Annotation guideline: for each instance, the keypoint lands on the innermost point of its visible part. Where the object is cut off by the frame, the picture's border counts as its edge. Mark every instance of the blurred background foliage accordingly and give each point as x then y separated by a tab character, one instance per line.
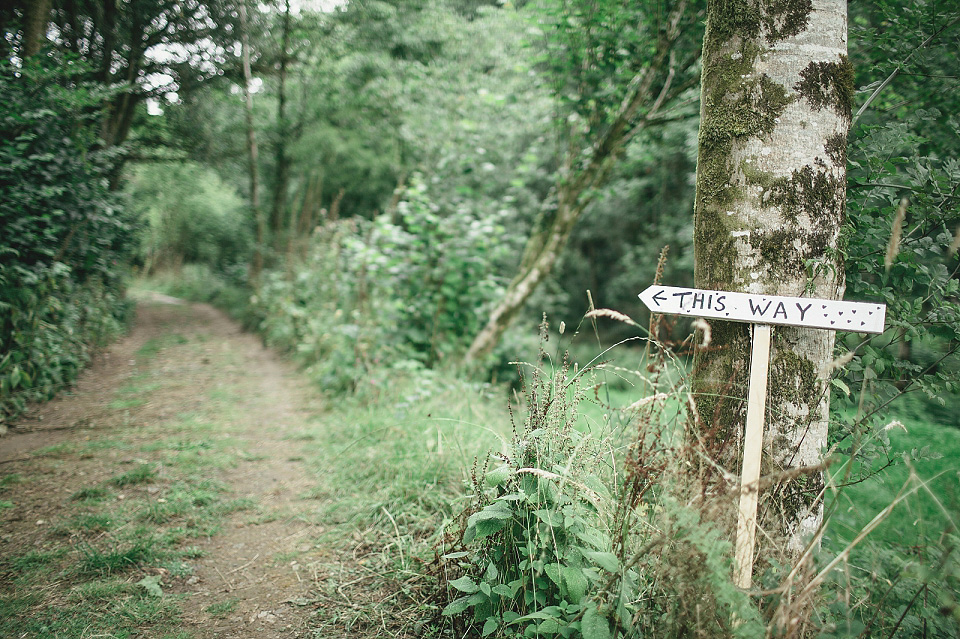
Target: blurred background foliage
433	120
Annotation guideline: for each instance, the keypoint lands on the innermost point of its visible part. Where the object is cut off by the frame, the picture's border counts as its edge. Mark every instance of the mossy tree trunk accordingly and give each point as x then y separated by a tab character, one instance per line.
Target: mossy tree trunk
775	112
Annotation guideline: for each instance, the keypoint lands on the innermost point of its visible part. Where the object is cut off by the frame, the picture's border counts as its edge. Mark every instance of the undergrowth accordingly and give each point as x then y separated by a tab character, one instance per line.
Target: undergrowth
607	528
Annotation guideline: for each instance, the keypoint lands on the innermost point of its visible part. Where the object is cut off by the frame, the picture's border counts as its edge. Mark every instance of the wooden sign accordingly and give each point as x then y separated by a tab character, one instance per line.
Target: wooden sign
857	317
762	311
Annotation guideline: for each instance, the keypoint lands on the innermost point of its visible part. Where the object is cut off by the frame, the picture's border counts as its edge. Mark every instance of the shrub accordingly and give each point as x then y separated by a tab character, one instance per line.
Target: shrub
63	234
405	292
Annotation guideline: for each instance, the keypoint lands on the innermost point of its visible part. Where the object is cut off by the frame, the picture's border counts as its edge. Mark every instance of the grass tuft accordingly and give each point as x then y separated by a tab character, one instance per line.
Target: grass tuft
142	474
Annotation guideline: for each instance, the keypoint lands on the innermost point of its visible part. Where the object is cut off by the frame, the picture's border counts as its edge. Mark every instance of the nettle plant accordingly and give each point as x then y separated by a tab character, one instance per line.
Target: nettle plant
536	544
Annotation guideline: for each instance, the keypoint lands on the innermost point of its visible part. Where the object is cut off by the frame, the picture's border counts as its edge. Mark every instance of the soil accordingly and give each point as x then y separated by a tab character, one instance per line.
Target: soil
267	566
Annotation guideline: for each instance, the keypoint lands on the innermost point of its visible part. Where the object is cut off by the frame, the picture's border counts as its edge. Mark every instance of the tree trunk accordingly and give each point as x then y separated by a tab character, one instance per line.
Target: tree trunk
109	31
771	179
36	16
252	150
282	174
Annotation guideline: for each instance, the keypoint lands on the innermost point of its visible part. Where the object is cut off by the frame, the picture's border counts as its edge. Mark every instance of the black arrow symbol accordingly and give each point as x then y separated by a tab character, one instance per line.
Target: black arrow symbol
659	296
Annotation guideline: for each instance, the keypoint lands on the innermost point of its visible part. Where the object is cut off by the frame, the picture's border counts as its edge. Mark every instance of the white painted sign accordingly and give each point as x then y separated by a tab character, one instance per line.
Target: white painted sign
761	310
858	317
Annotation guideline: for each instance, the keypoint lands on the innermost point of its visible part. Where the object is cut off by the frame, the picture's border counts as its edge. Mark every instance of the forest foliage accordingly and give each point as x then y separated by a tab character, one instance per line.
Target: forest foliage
65	234
410	154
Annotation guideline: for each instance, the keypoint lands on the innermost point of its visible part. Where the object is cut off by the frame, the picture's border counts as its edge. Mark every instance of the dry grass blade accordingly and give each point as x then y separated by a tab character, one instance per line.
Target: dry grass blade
659	397
836	364
893	248
703	326
869	528
612	314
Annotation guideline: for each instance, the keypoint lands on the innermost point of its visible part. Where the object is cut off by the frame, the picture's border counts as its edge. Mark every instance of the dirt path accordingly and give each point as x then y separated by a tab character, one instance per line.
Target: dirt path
187	372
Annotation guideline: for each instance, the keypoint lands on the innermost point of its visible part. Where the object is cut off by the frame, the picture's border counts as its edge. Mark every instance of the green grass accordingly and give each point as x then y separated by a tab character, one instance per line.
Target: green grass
105	612
90	523
152	347
223	608
142	474
10	480
36	559
927	463
124	404
115	559
98	547
199	283
102	590
136	387
407	453
56	450
91	493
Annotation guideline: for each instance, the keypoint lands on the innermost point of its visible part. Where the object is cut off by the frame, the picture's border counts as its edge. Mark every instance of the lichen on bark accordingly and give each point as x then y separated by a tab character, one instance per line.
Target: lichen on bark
811	190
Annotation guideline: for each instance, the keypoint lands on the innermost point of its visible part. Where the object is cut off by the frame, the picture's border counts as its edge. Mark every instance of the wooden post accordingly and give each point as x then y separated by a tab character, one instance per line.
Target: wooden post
762	311
752	447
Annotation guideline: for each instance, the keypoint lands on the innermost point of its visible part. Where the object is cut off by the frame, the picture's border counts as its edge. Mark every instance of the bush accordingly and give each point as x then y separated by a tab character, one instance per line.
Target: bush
63	234
372	295
575	532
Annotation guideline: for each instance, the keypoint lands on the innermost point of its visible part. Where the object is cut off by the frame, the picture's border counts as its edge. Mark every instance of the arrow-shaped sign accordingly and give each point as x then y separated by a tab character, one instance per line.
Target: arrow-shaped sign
762	310
858	317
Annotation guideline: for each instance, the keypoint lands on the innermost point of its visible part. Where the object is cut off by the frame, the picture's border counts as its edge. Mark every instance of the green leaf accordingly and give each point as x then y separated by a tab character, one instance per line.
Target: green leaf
593	625
487	528
549	627
550	612
503	590
498	476
489	626
550	518
576	583
593	537
496	510
606	560
465	584
457	606
553	571
839	384
151	584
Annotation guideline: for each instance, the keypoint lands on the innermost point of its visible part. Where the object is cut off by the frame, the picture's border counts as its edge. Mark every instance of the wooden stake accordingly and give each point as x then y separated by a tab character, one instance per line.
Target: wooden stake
752	447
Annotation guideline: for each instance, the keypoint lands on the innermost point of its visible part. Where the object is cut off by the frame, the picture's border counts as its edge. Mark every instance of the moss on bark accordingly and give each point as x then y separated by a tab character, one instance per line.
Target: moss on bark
828	84
813	190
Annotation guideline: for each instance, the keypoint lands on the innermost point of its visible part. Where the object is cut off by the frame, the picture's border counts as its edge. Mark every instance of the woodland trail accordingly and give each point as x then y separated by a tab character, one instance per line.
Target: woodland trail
187	391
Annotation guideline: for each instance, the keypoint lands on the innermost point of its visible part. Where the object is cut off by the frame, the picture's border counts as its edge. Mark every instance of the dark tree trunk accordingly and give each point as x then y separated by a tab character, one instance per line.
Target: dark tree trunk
282	175
36	17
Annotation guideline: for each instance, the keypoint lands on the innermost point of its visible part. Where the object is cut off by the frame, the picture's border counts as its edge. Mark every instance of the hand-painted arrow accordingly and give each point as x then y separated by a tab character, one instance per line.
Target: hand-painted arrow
857	317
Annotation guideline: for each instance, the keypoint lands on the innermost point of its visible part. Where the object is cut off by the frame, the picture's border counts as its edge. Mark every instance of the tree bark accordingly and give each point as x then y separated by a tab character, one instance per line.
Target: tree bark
36	17
771	179
252	149
282	174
